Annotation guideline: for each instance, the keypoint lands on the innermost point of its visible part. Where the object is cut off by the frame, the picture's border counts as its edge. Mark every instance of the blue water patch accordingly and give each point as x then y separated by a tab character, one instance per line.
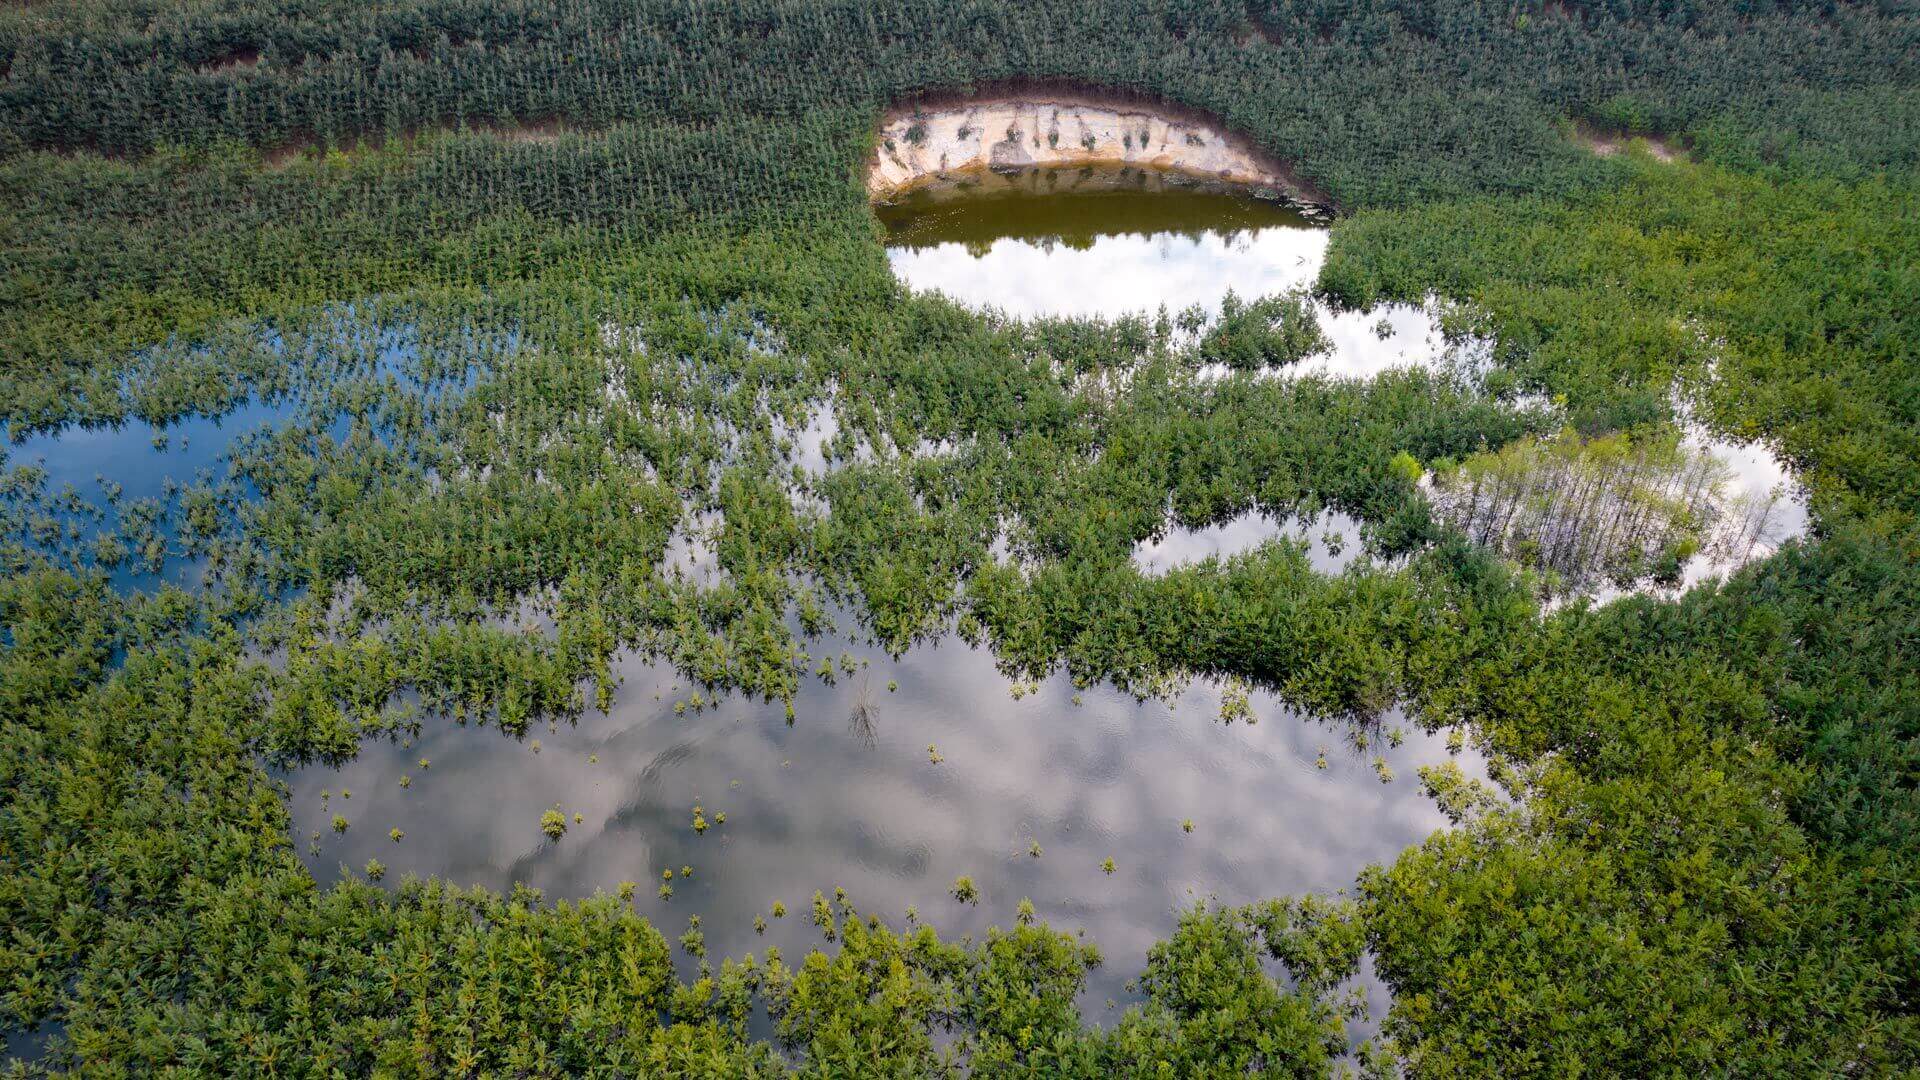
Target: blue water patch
141	501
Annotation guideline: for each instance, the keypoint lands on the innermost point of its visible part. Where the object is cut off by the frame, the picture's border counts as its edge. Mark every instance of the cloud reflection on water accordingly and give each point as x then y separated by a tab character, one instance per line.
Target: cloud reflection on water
811	806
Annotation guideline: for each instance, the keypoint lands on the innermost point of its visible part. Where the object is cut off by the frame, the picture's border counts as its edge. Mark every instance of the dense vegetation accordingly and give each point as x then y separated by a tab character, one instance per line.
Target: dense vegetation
543	286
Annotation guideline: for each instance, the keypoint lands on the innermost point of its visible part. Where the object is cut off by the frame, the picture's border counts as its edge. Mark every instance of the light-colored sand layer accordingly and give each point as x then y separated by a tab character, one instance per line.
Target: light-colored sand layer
924	146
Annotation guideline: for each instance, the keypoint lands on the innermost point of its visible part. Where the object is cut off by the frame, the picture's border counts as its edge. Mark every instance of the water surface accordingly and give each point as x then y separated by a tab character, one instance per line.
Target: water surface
1082	243
890	783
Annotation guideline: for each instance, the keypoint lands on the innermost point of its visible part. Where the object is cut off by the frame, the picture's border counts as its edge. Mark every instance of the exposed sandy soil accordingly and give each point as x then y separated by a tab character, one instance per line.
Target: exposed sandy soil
1610	144
543	131
927	141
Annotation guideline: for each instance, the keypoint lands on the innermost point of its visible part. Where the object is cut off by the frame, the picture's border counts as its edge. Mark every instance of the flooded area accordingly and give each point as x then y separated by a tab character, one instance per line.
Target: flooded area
1109	242
1331	541
116	492
894	777
1082	243
1613	515
891	782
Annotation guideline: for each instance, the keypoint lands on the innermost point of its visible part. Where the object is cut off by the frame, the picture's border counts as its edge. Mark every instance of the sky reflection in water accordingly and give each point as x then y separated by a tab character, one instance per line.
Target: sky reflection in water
826	802
1084	774
1121	253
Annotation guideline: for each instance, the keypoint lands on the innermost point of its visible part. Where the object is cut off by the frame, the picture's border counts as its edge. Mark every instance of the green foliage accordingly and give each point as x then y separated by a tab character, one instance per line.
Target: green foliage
1777	302
1698	849
1272	331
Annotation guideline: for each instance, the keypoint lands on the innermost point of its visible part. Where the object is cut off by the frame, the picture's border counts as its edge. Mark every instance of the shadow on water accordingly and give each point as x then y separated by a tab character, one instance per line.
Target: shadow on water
1074	208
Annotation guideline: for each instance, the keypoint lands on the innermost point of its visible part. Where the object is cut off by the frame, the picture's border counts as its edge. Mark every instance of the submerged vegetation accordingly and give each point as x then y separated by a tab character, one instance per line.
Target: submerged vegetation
1611	508
639	381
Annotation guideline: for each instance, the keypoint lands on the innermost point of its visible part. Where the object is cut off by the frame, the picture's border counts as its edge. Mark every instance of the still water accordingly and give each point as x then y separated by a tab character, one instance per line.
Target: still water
890	783
904	774
1107	245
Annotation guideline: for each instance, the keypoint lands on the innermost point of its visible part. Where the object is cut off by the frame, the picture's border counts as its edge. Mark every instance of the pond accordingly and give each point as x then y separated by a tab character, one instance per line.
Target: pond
891	782
902	774
1106	243
125	483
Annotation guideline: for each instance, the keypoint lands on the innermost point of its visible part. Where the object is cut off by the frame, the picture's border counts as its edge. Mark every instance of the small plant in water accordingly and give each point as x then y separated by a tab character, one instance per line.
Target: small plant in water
1106	865
339	823
964	890
626	890
397	835
779	909
553	823
720	818
699	821
759	924
1383	770
933	754
1186	826
1033	849
375	870
1235	702
686	871
1025	912
1321	761
425	764
666	891
406	781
